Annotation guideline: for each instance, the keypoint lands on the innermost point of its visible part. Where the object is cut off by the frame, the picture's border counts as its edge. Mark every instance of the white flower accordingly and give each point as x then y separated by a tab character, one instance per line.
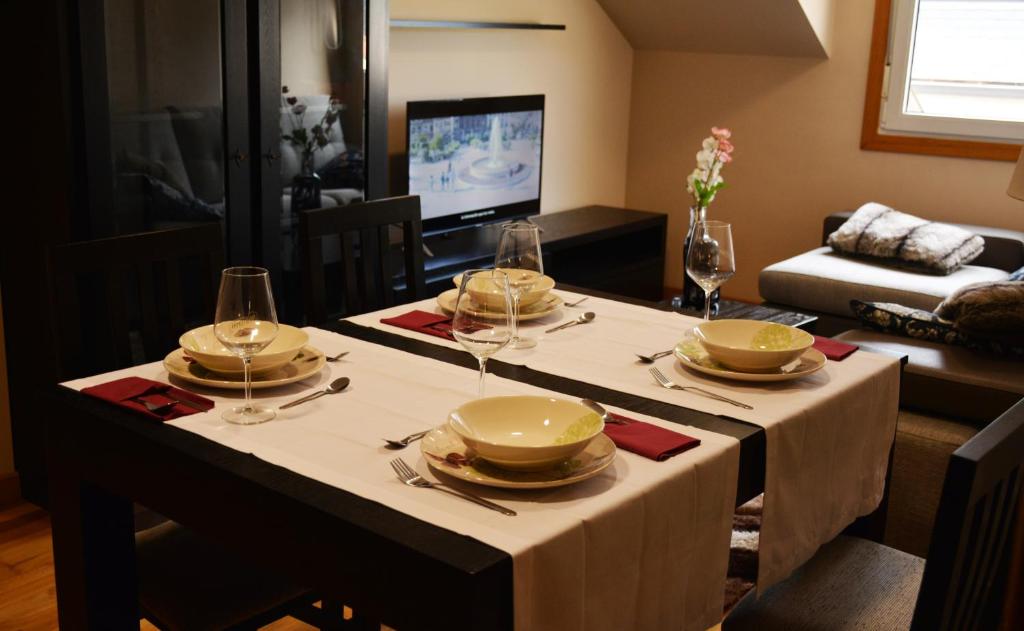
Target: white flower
710	144
715	173
705	158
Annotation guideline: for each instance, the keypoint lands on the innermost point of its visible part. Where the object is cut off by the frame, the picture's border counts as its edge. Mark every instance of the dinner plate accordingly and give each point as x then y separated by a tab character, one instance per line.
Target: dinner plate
545	306
444	451
307	363
692	355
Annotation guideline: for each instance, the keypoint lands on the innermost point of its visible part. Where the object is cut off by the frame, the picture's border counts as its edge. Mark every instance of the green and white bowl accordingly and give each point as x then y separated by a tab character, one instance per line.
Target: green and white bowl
752	345
525	433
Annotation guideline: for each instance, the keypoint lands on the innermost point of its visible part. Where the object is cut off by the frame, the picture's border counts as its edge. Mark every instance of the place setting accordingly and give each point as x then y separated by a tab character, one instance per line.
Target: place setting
246	348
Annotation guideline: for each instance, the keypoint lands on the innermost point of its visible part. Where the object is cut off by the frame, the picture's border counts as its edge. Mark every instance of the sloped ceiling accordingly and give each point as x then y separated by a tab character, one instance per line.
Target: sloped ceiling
790	28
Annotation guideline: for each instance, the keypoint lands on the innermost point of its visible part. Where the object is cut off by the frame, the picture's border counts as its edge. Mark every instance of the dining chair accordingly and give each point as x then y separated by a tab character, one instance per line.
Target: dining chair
855	583
121	301
366	268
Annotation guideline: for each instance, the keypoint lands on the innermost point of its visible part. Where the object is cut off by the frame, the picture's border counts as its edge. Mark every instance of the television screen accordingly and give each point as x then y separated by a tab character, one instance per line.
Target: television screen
475	160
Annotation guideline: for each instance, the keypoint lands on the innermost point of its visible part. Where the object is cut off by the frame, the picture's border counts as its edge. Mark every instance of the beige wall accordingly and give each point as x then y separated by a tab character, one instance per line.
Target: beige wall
6	445
796	126
585	72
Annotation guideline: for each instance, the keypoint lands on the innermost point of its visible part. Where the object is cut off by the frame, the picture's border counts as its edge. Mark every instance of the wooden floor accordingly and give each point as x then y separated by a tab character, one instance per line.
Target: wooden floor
27	593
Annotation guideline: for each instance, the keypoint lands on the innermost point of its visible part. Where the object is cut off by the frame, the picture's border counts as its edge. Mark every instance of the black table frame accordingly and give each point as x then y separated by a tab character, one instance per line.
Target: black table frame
333	541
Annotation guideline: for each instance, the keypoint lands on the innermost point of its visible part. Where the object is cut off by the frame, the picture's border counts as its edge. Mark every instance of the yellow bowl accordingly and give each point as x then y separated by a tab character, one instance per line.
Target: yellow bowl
203	346
752	345
489	294
525	433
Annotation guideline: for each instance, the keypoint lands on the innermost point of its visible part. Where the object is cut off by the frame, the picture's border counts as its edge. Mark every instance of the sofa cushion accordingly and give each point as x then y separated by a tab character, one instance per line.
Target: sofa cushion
821	280
881	233
893	318
1018	275
989	310
944	362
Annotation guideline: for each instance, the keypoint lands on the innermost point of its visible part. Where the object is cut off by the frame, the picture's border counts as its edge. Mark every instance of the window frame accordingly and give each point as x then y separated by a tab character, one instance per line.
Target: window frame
872	137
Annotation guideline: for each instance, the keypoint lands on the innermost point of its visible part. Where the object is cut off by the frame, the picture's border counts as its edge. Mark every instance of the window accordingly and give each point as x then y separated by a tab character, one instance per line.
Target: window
947	77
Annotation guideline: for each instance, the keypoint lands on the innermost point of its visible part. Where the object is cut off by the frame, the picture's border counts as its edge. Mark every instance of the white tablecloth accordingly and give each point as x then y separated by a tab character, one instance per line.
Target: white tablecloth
642	546
828	434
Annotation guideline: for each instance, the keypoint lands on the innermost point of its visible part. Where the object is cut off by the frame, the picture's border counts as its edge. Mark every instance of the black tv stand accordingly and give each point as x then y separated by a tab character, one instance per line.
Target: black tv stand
599	247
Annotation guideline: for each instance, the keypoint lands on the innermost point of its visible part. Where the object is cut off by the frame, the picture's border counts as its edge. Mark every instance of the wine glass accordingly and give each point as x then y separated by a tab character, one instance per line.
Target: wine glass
710	261
519	256
246	323
483	327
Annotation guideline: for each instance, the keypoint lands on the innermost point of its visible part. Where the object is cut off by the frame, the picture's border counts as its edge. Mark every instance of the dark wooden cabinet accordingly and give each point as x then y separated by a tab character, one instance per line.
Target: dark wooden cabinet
615	250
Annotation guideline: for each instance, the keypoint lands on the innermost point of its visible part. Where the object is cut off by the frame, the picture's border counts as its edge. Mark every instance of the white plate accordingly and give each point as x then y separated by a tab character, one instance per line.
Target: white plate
692	355
545	306
444	451
307	363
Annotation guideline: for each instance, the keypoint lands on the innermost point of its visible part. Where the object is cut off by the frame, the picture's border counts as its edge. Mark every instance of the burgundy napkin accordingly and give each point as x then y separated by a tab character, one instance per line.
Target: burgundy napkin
649	441
131	391
424	322
833	349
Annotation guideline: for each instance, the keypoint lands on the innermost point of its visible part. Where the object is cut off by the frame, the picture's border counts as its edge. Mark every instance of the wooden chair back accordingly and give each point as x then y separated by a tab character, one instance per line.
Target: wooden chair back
366	270
965	577
125	300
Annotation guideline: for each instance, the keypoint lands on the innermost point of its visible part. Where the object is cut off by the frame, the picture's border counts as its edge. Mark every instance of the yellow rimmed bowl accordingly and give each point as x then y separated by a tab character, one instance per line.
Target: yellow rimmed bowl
752	345
202	345
525	433
484	292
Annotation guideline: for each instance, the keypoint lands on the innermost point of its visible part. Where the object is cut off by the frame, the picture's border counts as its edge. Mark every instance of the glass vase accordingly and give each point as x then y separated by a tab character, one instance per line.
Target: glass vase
306	187
693	296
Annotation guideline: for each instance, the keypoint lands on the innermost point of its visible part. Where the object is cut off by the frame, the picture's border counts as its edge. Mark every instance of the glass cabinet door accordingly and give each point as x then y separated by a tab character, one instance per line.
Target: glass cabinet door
322	120
166	113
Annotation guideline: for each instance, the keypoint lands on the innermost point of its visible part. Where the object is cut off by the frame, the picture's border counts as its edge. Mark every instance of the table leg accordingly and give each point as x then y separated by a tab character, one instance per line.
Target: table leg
94	554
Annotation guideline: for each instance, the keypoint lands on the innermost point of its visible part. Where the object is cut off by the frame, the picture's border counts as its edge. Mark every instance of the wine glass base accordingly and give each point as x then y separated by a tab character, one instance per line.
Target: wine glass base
252	416
523	342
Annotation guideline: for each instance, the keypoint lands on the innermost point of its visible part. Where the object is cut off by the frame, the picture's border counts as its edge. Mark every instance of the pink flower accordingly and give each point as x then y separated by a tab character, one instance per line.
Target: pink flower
725	146
724	157
721	133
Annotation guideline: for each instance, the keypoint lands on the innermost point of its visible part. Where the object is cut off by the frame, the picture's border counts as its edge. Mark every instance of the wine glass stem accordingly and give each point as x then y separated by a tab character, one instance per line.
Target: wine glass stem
483	373
515	317
707	304
247	367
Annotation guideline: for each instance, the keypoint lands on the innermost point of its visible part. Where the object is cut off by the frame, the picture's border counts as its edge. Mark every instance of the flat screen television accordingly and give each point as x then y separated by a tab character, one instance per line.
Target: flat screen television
475	161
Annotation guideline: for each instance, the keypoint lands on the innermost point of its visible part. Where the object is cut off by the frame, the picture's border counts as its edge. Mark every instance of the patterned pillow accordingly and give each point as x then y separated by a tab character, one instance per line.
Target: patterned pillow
1018	275
884	234
925	325
989	310
892	318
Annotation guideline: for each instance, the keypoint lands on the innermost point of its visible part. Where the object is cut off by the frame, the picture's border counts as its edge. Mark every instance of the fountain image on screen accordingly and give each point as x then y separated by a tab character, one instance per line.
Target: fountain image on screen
459	164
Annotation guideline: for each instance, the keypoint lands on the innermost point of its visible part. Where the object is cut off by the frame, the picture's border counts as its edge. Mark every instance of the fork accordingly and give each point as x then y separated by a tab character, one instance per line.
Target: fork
159	408
408	476
665	382
650	359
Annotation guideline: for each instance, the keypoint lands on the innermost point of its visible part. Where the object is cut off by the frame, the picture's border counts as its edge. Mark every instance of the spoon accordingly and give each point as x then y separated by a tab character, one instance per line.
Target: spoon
650	359
403	443
335	387
583	319
605	416
574	304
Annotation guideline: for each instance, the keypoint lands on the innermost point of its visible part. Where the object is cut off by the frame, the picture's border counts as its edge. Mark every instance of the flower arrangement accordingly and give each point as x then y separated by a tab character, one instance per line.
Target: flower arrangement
316	137
706	180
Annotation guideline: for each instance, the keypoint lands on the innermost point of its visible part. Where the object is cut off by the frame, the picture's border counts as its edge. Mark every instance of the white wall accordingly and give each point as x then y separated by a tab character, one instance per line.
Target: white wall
585	73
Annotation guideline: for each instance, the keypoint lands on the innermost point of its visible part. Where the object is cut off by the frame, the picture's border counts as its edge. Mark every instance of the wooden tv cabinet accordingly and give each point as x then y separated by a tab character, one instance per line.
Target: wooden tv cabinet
614	250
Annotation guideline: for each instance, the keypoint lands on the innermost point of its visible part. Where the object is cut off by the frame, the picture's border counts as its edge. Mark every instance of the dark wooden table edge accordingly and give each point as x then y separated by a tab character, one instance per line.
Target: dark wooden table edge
341	543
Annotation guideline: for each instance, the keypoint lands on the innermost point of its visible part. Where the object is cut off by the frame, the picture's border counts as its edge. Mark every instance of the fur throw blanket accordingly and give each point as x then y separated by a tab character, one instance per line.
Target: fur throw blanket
879	232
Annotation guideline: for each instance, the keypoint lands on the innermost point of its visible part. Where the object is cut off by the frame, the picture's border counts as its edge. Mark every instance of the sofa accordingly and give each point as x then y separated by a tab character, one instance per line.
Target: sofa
947	392
948	380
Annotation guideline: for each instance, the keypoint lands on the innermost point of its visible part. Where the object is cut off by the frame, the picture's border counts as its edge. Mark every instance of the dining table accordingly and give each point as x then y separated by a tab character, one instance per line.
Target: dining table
312	497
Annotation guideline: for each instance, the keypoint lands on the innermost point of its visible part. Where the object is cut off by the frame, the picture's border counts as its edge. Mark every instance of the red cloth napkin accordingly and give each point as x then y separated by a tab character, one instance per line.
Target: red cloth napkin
131	391
833	349
424	322
649	441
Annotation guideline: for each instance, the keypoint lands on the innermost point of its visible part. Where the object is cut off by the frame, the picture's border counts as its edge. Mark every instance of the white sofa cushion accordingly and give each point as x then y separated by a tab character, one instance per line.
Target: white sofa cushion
821	280
943	361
